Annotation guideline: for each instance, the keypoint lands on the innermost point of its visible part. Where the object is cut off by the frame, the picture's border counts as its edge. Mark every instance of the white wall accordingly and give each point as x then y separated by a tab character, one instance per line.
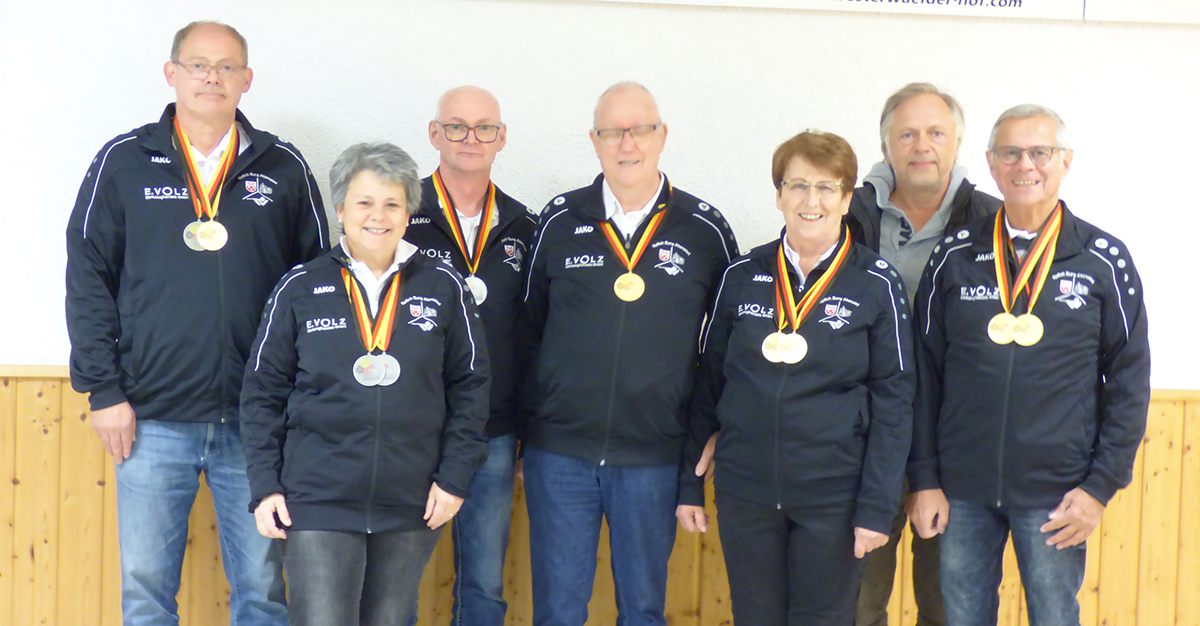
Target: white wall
731	83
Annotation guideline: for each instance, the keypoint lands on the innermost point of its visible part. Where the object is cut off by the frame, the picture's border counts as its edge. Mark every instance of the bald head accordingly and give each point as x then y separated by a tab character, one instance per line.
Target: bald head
467	96
624	90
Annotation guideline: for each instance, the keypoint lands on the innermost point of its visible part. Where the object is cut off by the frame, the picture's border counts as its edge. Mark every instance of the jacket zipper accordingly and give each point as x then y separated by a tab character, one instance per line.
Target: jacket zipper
375	455
612	388
1012	353
778	439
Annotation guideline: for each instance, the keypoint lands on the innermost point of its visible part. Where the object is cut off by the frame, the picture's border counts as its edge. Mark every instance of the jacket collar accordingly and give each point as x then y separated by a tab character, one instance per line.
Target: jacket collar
508	209
1070	240
161	137
592	206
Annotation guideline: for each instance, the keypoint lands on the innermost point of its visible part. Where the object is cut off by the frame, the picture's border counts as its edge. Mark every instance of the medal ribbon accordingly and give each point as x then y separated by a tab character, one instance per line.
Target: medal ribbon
377	335
1042	250
205	198
485	222
794	312
615	241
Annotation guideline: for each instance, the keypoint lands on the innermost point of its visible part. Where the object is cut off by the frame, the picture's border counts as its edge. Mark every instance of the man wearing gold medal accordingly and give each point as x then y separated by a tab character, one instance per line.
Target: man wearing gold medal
620	276
906	204
179	232
1034	369
485	234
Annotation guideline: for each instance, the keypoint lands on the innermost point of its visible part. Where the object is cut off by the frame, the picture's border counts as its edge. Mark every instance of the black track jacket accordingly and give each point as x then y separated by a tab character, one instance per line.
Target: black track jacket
154	322
613	378
502	270
353	458
834	427
1006	425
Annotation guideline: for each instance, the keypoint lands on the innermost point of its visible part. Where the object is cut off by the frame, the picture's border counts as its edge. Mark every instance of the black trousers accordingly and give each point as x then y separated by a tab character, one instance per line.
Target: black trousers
355	579
789	567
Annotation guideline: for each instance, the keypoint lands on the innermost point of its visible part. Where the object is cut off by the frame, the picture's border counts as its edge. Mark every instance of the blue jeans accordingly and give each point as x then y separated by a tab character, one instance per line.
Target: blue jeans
357	579
156	487
567	498
972	560
481	538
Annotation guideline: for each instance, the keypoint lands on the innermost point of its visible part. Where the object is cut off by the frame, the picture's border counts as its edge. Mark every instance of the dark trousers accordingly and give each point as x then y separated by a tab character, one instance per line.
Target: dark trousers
789	567
348	579
880	576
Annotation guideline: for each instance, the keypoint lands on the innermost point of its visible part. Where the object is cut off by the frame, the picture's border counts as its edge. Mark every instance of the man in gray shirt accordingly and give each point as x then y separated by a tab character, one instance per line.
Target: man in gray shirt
907	203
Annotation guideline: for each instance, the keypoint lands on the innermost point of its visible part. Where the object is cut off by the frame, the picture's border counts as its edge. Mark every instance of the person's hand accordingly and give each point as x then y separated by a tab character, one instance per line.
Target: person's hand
929	511
440	507
116	426
692	518
866	540
264	516
706	466
1075	518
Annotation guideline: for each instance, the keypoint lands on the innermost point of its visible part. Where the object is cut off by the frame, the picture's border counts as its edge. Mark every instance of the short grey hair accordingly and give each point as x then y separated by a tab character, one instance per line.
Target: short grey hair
388	161
913	90
1032	110
625	85
183	33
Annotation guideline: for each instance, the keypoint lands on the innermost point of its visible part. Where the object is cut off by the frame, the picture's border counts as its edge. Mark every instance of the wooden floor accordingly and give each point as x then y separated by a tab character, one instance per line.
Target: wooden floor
60	565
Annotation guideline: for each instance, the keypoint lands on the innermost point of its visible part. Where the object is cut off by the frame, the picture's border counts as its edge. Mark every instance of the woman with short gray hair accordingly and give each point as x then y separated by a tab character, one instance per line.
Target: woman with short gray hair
364	404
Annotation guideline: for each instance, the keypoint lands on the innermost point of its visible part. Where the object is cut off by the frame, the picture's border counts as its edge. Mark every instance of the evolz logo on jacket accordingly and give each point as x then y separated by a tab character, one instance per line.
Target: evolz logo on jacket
978	293
166	193
756	310
441	255
324	323
584	260
423	315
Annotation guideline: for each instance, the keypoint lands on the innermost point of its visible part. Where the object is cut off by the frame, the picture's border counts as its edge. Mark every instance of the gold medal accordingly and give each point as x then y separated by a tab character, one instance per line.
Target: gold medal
629	287
212	235
189	236
792	348
770	347
1000	328
1027	330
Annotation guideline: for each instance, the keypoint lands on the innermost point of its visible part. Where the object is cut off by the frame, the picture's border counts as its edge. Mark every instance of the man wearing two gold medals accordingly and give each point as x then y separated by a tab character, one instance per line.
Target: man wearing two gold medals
620	277
467	221
1033	387
179	232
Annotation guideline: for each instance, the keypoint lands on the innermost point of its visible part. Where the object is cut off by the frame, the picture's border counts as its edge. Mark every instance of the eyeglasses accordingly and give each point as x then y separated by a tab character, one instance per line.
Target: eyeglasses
1010	155
826	189
200	71
484	133
615	135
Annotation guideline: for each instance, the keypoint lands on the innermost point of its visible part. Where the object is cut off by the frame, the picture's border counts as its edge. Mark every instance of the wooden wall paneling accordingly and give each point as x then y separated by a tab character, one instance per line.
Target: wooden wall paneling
902	606
683	580
518	585
426	593
110	586
1117	599
1187	584
1089	593
35	537
442	563
8	447
1158	553
81	515
207	590
602	610
715	608
1010	589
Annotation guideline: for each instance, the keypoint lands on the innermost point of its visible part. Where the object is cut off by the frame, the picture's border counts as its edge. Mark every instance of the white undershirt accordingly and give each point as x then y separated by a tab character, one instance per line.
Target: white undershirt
793	257
207	166
470	227
627	222
374	286
1016	233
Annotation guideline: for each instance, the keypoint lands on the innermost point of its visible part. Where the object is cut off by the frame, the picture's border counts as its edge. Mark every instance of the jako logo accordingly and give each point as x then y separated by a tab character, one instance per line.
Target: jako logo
160	159
763	278
419	220
583	230
322	289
